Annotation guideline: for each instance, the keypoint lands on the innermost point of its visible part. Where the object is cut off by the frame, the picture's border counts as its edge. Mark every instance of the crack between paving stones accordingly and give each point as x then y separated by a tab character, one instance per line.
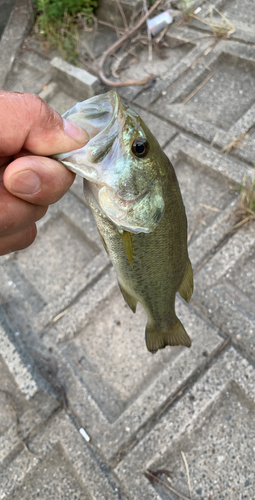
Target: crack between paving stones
194	135
182	390
24	443
75	300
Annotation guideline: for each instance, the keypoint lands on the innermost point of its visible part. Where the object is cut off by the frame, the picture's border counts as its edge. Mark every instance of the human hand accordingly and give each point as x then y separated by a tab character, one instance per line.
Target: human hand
28	183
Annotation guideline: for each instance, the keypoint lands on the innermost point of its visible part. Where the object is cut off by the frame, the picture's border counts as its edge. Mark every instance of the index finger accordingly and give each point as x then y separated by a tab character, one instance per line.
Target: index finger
26	121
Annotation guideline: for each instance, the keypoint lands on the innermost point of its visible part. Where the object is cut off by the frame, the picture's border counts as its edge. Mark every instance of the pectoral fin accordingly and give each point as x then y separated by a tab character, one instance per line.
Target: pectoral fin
131	302
186	288
127	244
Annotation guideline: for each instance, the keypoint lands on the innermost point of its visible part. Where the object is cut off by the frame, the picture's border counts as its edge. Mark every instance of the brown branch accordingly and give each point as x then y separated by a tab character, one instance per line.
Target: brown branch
115	46
115	28
148	32
149	473
122	13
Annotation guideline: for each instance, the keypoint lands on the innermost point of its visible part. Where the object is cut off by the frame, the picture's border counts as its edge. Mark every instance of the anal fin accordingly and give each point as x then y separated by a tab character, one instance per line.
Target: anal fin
158	337
186	287
131	301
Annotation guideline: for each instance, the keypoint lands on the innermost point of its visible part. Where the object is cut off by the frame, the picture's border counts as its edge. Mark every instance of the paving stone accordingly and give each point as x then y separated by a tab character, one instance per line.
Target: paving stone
35	60
26	78
98	41
185	47
114	400
75	81
196	102
18	26
205	194
60	465
6	7
209	184
213	426
238	12
24	407
109	11
162	130
61	102
49	243
75	259
231	84
21	374
246	148
225	289
54	478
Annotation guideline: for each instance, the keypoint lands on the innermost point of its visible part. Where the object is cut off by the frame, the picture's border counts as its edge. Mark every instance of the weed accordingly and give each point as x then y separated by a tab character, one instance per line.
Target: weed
58	22
186	8
246	205
247	196
50	10
222	29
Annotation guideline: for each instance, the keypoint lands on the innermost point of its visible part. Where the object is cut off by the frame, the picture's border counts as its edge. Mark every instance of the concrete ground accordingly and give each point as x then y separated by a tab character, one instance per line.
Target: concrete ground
85	410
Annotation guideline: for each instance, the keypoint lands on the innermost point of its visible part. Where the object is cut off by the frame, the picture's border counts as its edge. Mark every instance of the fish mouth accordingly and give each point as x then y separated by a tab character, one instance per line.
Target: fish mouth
108	167
102	117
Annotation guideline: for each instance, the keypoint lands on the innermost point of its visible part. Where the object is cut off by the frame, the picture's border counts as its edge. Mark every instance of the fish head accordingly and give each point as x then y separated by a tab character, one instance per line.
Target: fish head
122	164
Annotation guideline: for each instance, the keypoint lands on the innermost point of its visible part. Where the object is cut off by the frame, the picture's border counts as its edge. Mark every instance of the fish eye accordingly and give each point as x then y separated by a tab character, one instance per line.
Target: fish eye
140	147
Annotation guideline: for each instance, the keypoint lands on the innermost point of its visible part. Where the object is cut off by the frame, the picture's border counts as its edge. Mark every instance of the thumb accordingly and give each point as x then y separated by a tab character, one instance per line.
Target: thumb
36	127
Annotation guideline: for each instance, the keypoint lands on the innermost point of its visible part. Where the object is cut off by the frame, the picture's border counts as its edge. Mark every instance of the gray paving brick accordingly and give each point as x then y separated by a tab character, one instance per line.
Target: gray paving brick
59	465
75	259
109	11
189	48
213	426
24	406
162	130
209	182
226	292
19	24
35	61
6	7
26	78
61	102
199	100
115	399
238	12
53	478
75	81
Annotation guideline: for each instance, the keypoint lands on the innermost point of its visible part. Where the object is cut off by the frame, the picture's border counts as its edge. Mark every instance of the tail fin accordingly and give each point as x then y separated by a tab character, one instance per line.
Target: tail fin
157	337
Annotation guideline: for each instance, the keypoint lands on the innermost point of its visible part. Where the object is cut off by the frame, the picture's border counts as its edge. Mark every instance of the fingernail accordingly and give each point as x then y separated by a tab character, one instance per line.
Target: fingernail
75	132
25	182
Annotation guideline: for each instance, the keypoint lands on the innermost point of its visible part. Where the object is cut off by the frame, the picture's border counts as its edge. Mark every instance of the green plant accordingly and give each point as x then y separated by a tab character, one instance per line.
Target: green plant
187	8
247	195
246	205
222	29
50	10
58	22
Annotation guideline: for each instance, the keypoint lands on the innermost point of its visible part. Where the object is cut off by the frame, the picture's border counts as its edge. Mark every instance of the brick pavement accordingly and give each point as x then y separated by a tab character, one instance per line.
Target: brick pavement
85	410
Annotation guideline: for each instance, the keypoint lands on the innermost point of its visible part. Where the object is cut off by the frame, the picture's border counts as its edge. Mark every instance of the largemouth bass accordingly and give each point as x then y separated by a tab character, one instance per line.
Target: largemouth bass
132	190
